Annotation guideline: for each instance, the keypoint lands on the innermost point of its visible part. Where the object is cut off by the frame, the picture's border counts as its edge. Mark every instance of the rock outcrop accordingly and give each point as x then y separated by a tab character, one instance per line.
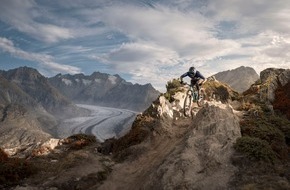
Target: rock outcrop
180	153
272	89
204	160
271	79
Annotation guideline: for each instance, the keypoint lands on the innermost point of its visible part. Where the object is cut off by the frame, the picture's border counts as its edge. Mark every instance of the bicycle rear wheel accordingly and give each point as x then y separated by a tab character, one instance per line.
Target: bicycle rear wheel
187	107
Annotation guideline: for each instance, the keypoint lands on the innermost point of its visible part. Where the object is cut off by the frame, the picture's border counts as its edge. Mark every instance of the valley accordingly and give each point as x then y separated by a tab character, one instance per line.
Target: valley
103	122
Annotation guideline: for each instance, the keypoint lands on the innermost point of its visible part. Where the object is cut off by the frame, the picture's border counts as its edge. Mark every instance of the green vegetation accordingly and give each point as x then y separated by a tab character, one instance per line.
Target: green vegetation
79	141
171	88
255	148
220	91
13	170
268	132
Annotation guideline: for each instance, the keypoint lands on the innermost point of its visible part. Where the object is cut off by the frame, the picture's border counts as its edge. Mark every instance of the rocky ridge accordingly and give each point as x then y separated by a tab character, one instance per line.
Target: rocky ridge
197	153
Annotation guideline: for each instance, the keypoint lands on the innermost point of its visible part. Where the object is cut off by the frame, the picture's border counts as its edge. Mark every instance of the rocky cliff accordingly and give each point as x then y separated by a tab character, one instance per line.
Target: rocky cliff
240	79
272	89
105	90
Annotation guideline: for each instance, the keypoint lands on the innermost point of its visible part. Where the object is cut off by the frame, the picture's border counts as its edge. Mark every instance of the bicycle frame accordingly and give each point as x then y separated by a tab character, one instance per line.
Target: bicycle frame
194	92
192	95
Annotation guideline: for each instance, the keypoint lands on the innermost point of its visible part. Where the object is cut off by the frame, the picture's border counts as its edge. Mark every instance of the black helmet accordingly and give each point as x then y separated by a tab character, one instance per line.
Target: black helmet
191	69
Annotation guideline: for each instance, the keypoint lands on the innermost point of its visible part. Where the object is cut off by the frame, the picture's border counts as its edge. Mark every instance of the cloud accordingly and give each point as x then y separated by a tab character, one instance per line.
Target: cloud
251	16
25	16
166	27
160	39
44	60
152	41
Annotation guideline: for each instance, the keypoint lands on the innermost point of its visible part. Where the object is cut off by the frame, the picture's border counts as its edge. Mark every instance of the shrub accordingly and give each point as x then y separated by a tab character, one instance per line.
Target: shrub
175	83
171	88
13	170
268	129
264	132
255	148
85	137
79	141
283	124
3	156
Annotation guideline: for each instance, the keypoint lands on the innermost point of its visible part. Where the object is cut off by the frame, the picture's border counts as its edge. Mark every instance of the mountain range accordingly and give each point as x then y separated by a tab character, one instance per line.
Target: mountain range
104	90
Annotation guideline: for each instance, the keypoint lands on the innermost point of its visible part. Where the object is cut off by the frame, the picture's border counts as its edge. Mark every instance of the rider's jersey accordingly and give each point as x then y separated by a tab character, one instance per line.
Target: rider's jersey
193	75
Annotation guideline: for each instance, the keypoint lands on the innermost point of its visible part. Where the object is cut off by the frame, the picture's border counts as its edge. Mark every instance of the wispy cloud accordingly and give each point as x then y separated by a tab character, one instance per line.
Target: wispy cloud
26	16
43	59
151	41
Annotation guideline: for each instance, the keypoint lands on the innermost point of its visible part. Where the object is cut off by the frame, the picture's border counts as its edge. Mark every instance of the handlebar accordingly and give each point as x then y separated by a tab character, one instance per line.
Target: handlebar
185	84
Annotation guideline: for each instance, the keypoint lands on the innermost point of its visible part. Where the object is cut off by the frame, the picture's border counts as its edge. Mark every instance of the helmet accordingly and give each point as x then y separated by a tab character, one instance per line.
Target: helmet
191	69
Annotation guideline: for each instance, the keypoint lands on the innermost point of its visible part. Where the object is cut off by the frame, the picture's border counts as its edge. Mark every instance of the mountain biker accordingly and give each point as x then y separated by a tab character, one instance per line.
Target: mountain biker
196	77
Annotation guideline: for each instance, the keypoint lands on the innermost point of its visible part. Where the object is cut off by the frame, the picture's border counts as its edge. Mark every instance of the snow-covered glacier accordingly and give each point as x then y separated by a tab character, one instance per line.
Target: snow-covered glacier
103	122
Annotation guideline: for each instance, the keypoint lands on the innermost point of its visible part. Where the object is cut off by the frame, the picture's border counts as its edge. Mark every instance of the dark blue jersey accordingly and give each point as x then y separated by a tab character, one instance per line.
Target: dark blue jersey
193	75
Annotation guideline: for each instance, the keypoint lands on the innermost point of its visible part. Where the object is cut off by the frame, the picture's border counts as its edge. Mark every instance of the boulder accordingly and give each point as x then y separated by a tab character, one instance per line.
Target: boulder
204	160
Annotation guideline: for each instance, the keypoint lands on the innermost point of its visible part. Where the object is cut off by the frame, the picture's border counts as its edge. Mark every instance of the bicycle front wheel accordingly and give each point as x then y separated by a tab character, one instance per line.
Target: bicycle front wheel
187	107
201	98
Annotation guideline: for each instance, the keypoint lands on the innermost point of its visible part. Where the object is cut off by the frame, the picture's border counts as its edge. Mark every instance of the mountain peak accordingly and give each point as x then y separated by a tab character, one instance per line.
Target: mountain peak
240	79
23	73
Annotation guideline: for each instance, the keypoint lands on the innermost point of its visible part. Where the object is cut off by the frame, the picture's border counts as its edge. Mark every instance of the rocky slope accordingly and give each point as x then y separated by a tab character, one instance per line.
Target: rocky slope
35	85
240	79
23	121
234	142
30	108
105	90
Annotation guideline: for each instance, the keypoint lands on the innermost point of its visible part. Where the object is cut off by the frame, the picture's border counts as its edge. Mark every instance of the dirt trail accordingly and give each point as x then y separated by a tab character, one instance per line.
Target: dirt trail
132	175
90	170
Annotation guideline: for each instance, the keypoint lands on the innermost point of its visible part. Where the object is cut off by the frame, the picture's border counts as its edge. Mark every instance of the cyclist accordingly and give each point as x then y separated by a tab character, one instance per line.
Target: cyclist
196	77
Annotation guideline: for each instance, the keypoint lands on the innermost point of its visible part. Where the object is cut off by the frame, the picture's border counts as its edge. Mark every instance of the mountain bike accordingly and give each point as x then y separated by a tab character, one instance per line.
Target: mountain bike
193	95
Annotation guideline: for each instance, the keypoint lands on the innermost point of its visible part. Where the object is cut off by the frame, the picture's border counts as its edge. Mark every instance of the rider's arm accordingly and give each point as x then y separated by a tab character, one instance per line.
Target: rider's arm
199	75
184	75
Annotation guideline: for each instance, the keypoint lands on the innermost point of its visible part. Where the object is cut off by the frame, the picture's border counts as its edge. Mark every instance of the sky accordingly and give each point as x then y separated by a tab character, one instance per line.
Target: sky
144	41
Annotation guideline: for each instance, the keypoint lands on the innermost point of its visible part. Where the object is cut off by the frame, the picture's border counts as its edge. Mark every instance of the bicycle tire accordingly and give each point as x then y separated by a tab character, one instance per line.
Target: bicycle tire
187	106
201	98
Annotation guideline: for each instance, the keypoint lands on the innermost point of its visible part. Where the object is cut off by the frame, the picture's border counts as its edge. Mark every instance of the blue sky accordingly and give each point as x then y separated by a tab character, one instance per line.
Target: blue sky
145	41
